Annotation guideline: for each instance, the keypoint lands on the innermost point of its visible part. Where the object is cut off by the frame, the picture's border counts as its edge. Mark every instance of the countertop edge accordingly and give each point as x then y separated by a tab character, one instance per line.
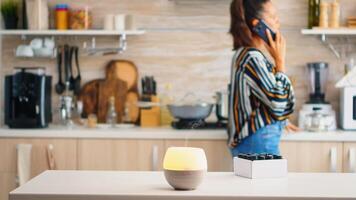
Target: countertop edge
163	133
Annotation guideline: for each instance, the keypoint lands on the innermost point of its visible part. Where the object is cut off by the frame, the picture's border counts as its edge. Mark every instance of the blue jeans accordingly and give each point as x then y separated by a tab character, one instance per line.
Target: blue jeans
264	140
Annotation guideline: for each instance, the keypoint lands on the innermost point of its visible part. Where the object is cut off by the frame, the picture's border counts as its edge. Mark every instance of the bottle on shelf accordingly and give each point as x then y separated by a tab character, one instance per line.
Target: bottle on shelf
111	115
313	13
166	98
62	16
310	13
324	15
335	14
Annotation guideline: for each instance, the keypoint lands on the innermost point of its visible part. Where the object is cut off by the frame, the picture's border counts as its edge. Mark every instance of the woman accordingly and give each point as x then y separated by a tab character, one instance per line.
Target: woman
262	96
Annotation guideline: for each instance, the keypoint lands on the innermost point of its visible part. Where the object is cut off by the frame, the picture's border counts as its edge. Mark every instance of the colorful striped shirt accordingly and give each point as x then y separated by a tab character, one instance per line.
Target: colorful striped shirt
259	95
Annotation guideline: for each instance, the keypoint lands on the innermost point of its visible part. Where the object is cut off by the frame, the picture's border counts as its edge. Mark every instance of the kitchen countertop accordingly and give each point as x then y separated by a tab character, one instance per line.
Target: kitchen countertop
161	133
109	185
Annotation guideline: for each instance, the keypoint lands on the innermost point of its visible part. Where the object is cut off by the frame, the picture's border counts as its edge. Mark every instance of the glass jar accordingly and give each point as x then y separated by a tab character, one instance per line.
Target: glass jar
80	19
61	16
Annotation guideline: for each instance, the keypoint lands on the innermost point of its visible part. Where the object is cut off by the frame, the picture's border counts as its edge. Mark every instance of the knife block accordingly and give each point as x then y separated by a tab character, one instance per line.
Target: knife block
151	117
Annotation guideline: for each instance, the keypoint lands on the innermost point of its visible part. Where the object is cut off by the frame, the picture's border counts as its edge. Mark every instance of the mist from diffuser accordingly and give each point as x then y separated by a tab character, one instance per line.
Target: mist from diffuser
184	167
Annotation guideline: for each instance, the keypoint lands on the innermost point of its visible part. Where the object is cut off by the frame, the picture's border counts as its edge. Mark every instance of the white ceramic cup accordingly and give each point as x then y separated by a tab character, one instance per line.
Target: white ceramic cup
120	22
36	43
49	43
130	22
24	51
109	22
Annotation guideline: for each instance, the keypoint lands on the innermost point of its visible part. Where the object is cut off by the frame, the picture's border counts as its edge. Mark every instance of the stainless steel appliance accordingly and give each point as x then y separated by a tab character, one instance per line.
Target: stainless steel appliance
348	108
317	114
222	105
28	98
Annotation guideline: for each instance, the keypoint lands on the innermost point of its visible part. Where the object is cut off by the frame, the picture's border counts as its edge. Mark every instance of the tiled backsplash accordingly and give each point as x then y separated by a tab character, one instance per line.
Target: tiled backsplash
187	44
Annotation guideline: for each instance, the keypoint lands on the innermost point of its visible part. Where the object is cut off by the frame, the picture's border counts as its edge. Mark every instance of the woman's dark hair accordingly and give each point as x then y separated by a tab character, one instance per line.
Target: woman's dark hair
242	13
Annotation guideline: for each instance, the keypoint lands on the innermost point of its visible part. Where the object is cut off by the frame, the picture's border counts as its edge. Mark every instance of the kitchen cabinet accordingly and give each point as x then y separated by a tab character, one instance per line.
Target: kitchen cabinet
217	152
313	156
64	154
136	155
64	151
144	155
349	157
7	184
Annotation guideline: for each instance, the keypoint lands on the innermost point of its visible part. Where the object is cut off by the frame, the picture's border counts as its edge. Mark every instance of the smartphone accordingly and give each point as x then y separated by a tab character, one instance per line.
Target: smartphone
260	29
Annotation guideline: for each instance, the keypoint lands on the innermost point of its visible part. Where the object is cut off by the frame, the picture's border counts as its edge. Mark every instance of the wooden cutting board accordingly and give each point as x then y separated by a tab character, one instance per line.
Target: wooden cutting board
108	88
89	96
127	71
121	82
124	70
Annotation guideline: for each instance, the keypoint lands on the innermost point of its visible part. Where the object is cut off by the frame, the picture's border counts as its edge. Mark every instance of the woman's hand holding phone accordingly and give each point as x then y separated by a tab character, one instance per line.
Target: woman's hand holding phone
277	49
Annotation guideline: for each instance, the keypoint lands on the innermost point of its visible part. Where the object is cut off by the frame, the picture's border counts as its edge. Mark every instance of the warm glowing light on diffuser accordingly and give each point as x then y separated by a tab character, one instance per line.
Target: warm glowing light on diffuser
185	158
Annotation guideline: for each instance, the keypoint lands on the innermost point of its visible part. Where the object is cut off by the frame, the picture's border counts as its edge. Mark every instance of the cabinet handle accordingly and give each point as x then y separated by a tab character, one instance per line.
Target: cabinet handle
333	159
50	157
352	163
154	158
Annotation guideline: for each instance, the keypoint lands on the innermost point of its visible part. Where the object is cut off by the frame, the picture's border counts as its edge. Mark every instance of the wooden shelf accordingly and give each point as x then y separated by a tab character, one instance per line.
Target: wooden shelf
329	31
71	32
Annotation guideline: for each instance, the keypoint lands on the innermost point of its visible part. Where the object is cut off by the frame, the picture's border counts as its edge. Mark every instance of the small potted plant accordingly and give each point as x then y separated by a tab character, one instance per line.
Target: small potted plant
9	11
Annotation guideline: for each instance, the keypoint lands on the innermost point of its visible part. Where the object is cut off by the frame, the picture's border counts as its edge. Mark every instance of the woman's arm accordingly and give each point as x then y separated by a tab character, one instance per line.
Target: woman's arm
274	90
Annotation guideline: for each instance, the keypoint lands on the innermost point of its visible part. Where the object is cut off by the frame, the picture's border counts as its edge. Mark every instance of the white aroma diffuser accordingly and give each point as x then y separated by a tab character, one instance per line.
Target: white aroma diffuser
184	167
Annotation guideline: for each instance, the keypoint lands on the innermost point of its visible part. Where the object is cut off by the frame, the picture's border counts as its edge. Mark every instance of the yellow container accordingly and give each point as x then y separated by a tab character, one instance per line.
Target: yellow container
62	16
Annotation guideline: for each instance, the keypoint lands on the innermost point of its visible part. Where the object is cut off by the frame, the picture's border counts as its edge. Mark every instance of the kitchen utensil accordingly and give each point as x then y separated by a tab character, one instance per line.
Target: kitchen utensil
318	121
70	66
60	85
127	71
89	95
197	111
151	117
44	52
36	43
49	43
318	73
318	76
124	70
111	88
190	107
24	51
66	64
78	79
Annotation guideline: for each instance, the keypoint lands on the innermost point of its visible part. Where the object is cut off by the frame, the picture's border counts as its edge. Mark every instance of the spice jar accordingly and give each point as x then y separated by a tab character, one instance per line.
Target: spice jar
80	18
324	15
335	15
62	16
92	121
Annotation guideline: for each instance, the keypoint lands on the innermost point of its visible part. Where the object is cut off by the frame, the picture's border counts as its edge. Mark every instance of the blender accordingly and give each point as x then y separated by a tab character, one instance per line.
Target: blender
317	114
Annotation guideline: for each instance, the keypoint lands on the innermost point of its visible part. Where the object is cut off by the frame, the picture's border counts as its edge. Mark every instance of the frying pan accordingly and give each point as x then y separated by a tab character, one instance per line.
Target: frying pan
192	112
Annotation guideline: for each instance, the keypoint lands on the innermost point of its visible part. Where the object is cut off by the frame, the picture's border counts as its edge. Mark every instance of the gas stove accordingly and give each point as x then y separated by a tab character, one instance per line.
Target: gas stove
198	124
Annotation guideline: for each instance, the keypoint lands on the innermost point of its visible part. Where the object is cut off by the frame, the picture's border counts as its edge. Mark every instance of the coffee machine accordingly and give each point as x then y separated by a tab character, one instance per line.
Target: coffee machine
317	114
28	98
